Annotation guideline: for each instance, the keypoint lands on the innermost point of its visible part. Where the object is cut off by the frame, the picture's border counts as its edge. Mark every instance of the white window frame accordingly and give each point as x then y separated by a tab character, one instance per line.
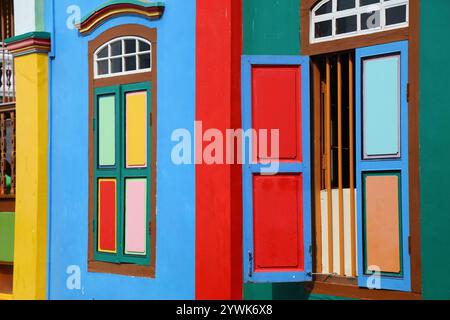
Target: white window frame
109	58
358	11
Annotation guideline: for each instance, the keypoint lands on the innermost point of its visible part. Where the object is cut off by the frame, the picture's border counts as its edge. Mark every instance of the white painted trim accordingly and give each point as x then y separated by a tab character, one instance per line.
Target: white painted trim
122	56
24	16
358	11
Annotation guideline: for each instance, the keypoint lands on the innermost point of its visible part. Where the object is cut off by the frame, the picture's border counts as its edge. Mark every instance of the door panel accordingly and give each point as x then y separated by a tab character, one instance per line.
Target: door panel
277	208
382	166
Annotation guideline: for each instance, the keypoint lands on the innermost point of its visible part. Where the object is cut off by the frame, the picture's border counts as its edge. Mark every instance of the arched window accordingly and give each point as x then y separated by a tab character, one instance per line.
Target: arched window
336	19
122	56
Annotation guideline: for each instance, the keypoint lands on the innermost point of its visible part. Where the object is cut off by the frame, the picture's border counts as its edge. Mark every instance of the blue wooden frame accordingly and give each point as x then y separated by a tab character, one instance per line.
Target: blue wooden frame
249	169
401	282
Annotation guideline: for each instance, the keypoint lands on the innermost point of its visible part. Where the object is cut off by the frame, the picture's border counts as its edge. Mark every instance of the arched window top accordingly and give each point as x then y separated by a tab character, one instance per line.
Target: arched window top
123	56
336	19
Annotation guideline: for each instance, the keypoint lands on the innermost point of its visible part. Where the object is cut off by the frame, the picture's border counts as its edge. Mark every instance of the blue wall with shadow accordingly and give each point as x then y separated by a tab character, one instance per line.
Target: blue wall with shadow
68	160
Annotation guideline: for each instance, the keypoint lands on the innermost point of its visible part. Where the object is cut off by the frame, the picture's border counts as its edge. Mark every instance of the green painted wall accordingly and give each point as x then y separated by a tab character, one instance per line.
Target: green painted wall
281	291
6	236
435	148
271	27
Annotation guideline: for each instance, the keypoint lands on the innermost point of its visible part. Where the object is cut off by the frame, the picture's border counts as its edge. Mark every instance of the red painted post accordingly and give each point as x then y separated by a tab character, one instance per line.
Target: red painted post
219	186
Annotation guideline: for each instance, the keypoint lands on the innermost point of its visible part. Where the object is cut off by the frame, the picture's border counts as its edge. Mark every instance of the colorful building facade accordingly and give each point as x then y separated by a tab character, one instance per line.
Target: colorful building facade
134	163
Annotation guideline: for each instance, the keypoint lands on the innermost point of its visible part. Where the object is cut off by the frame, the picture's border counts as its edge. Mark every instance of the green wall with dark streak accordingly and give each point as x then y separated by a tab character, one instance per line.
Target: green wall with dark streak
435	147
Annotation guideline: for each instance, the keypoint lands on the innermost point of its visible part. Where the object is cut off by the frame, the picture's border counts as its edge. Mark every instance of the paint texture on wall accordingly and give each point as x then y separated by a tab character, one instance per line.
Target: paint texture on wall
271	27
434	148
69	161
6	236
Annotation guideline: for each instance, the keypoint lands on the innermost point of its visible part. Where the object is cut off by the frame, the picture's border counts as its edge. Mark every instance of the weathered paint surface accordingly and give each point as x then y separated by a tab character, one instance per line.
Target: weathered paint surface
434	147
30	248
6	236
218	187
271	27
175	206
283	291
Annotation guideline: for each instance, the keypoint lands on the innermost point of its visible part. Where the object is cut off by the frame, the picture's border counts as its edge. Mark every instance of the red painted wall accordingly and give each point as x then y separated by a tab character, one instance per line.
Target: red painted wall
218	187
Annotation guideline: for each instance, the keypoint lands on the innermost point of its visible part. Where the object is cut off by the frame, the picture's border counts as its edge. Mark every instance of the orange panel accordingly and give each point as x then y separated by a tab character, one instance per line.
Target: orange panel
382	222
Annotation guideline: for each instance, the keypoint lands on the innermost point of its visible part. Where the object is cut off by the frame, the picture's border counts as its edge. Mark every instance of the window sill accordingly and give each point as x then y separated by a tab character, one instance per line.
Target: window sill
348	288
122	269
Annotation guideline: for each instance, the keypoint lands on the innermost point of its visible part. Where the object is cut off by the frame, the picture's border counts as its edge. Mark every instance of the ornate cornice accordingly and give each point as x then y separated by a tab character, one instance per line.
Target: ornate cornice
114	8
32	42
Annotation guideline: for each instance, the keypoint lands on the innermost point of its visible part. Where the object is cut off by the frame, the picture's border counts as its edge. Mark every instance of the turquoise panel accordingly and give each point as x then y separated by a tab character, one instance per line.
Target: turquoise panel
381	105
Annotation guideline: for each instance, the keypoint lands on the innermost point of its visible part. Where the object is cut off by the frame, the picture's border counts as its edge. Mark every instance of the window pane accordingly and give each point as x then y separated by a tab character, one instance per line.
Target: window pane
143	46
367	2
370	20
323	29
346	24
102	67
345	4
107	223
116	48
106	131
116	65
136	129
130	63
381	107
103	53
130	46
325	8
136	216
382	210
144	61
395	15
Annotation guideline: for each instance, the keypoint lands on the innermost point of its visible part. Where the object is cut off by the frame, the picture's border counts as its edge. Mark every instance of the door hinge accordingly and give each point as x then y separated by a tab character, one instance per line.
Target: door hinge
310	250
150	228
407	92
250	264
151	120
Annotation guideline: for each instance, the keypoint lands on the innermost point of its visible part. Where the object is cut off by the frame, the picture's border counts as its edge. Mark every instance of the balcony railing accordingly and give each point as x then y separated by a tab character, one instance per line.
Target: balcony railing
7	111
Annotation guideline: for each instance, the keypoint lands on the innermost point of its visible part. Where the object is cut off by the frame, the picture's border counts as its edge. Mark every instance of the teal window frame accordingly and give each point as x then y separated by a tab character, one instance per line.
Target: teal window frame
121	173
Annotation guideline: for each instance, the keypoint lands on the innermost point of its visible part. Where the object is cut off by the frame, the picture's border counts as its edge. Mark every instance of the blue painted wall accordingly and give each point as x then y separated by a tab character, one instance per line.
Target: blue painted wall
68	167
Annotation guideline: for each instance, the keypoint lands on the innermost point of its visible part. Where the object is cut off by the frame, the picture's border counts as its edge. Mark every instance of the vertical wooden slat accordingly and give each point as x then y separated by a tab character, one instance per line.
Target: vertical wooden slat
328	160
317	167
351	164
341	191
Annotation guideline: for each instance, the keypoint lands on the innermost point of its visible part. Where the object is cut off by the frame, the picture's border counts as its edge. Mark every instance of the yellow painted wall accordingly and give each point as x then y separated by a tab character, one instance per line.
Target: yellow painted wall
30	248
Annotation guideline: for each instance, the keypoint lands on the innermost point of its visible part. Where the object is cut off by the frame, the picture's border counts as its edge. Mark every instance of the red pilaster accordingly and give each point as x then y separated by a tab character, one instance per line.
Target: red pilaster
219	187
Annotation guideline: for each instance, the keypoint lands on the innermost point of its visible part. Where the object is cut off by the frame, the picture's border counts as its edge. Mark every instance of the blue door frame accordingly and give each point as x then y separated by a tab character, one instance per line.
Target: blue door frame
249	169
